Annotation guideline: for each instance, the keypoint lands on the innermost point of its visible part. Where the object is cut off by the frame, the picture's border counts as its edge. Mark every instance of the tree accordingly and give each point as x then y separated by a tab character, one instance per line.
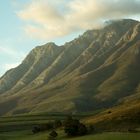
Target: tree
82	130
73	127
52	135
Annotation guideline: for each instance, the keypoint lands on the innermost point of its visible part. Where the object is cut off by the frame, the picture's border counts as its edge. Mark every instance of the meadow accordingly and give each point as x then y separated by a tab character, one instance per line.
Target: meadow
27	135
19	127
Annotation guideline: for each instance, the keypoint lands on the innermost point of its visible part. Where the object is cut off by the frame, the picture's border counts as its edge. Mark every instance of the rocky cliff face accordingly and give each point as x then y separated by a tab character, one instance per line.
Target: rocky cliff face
97	70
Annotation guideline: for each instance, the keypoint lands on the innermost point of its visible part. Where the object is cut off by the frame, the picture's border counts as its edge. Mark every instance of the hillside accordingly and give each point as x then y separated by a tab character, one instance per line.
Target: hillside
97	70
125	117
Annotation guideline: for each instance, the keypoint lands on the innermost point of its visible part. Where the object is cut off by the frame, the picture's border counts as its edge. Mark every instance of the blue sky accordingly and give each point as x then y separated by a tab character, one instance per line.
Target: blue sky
25	24
14	43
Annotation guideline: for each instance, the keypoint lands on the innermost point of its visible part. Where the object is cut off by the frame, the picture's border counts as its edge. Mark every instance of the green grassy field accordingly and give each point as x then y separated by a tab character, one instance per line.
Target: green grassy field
20	128
26	135
110	136
27	121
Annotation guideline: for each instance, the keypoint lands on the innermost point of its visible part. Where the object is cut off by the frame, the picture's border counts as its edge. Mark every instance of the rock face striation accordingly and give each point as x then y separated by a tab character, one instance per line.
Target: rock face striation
97	70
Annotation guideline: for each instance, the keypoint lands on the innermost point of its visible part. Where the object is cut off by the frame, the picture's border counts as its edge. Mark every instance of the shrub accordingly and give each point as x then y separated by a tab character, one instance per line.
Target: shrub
91	128
43	127
73	127
52	135
82	130
109	112
36	129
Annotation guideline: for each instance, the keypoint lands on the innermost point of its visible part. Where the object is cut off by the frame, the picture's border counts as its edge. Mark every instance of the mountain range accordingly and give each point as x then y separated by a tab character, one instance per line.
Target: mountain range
98	70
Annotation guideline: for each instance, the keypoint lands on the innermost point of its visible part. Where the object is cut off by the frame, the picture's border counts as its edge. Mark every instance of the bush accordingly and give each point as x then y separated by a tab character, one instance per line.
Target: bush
82	130
43	127
109	112
52	135
91	128
36	129
73	127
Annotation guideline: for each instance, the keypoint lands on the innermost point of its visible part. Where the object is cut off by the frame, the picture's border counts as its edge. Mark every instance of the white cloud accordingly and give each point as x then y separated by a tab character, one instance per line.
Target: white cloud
46	19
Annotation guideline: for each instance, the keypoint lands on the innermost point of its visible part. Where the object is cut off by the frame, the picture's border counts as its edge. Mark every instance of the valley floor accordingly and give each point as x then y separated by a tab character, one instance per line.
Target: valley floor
27	135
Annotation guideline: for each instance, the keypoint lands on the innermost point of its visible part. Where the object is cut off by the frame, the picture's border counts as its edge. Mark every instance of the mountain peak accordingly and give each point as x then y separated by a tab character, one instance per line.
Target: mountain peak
50	44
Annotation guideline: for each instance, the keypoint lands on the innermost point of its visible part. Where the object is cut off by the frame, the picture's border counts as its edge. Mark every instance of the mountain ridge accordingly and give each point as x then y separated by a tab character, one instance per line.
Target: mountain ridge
81	75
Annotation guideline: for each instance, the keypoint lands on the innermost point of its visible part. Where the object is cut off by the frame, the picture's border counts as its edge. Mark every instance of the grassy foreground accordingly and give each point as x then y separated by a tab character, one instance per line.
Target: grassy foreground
20	128
27	135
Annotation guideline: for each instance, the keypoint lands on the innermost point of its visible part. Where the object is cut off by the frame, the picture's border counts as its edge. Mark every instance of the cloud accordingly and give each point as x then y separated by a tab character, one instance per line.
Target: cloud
48	19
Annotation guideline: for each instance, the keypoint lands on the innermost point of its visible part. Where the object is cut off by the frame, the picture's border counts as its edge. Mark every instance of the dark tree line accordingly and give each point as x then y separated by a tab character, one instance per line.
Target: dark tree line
71	126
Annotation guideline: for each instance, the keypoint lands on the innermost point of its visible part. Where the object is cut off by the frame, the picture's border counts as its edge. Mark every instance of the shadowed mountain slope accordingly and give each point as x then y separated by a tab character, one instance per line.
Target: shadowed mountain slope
97	70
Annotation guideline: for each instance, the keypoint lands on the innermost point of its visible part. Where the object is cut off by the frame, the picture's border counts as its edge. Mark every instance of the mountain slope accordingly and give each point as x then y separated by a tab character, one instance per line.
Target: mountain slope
124	117
96	70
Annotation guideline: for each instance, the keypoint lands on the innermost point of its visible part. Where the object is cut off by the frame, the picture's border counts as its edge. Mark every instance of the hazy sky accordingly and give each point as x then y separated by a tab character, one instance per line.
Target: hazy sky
25	24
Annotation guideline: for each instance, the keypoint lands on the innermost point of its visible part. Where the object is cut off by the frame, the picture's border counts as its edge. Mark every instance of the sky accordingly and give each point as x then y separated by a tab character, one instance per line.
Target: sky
25	24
